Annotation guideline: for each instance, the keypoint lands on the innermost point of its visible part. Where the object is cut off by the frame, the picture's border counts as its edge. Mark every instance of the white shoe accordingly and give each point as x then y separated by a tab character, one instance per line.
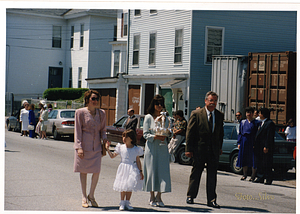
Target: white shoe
153	203
122	206
160	204
127	205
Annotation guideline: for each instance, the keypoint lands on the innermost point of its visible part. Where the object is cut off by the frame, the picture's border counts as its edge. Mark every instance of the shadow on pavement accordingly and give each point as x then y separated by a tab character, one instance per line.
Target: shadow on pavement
7	150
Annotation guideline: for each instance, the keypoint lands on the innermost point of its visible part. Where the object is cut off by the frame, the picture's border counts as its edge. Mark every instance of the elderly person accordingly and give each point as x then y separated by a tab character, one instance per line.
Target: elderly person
89	130
31	120
156	157
24	118
43	119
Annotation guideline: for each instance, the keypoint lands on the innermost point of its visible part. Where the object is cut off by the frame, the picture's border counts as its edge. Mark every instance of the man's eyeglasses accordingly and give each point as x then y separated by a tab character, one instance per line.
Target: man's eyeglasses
94	98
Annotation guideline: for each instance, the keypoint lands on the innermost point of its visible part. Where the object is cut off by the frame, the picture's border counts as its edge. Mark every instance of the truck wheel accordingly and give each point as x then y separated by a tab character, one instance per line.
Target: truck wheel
56	135
233	161
181	158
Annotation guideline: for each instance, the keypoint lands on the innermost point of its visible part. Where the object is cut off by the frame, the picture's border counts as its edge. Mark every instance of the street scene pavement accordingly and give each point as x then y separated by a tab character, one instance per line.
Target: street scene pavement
39	177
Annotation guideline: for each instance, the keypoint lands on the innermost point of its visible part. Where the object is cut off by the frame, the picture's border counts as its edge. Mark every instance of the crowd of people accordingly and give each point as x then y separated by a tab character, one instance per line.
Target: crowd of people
203	133
28	123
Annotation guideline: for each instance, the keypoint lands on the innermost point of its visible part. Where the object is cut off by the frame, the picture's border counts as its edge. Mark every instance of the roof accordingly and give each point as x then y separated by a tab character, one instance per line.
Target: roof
65	13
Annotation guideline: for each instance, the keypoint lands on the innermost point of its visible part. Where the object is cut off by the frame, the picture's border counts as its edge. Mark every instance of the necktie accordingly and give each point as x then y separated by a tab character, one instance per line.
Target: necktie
210	122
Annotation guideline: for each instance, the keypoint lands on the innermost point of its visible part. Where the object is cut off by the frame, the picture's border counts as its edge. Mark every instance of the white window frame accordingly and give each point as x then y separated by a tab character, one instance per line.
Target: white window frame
79	77
135	49
56	37
124	25
81	43
177	46
70	77
115	72
152	49
206	42
72	37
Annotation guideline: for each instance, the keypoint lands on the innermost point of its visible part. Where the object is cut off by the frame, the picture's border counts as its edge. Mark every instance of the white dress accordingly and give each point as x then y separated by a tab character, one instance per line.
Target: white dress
128	176
24	117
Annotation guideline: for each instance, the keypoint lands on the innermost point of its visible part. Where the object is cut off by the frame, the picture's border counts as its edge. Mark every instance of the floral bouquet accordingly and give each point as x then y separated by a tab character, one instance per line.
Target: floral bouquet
160	128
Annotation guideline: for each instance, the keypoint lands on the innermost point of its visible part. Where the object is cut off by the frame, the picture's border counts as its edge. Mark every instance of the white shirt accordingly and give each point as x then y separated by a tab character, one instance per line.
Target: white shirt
213	116
263	121
291	133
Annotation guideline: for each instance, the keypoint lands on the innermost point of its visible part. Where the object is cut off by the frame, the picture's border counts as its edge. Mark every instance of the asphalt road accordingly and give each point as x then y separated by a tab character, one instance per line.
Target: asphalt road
39	177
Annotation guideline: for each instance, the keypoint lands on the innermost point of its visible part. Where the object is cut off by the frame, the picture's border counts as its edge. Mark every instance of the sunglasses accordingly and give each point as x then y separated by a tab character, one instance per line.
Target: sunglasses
158	103
238	115
94	98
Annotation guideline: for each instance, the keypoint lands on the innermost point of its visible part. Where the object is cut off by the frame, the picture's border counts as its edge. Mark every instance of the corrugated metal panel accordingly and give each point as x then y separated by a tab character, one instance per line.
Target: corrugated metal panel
272	84
228	80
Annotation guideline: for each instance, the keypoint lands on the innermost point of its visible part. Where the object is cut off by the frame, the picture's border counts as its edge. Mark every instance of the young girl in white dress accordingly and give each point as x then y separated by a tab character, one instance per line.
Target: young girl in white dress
129	175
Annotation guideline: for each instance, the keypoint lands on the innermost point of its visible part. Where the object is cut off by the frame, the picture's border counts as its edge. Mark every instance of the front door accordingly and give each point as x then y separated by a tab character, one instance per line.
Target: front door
134	98
55	77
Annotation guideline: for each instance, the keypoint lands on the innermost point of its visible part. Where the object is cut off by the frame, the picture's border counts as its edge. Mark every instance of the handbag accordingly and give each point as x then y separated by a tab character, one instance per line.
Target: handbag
102	144
30	127
103	149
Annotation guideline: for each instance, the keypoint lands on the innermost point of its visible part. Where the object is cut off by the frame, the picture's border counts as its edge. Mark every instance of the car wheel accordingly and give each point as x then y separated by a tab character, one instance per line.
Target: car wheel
55	134
181	158
233	161
9	127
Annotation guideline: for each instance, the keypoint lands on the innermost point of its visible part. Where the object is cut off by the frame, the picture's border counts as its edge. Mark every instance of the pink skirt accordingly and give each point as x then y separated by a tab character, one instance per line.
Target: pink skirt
91	163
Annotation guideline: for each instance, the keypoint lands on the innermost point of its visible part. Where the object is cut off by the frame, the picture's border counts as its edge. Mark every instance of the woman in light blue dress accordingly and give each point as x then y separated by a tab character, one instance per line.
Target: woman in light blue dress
156	157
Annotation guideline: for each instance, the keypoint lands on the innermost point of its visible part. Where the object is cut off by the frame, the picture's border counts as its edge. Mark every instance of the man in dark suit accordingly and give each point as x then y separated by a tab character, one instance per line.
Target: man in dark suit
204	139
131	121
264	147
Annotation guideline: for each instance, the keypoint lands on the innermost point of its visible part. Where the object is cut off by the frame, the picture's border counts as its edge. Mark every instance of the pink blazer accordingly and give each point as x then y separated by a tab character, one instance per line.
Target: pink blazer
89	131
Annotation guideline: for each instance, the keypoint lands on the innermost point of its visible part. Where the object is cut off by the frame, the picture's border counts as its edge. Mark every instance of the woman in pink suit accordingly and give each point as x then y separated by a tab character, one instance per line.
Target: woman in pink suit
89	129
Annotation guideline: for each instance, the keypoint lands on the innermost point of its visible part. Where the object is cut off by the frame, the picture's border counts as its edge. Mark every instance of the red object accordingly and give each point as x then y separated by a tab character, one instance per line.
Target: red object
70	123
294	153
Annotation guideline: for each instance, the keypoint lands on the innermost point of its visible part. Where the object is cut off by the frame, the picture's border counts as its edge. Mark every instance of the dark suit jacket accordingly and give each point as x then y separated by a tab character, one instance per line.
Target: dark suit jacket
132	123
265	137
198	135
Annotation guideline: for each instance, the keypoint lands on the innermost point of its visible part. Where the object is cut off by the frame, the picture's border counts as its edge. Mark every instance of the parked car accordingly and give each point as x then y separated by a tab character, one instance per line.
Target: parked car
61	122
114	132
13	124
283	159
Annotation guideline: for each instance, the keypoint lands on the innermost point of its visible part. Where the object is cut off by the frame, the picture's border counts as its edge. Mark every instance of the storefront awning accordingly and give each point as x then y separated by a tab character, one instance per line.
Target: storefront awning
180	83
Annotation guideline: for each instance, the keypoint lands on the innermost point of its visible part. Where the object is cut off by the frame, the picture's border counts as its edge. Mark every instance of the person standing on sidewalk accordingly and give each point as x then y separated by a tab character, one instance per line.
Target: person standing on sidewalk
131	121
89	129
204	140
264	147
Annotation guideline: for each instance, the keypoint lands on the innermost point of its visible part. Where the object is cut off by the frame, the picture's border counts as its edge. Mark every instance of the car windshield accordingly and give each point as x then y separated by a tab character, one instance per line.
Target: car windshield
67	114
278	137
121	121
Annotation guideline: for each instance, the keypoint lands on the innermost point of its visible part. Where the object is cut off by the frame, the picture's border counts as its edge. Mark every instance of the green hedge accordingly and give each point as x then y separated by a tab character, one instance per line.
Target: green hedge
64	93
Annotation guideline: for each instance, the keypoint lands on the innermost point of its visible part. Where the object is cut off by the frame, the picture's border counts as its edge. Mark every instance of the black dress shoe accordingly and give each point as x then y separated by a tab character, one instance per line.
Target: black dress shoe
213	204
259	180
268	182
189	200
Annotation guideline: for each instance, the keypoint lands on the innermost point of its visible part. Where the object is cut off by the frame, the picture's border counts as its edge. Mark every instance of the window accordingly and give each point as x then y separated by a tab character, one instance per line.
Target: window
70	78
79	77
214	42
116	62
56	37
115	33
178	46
153	11
136	50
230	133
81	35
152	48
72	37
124	24
137	12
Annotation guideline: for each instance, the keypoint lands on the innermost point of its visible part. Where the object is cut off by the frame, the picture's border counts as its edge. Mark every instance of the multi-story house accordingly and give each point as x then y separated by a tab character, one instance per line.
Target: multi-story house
170	51
49	48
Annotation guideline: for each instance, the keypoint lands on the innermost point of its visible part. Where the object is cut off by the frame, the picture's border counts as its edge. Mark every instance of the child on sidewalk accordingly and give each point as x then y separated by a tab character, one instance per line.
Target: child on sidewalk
129	175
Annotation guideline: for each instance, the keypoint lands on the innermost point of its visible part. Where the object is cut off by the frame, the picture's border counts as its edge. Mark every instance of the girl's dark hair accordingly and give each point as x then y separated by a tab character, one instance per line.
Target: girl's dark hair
291	121
249	110
156	99
88	94
131	134
32	106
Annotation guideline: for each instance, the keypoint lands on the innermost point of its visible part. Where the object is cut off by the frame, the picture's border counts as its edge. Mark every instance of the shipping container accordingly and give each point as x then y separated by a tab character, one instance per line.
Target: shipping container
272	84
228	80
